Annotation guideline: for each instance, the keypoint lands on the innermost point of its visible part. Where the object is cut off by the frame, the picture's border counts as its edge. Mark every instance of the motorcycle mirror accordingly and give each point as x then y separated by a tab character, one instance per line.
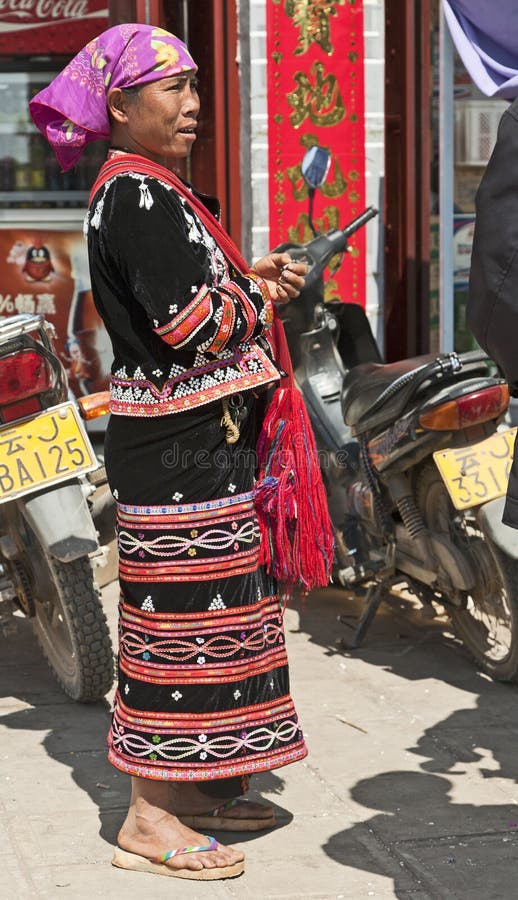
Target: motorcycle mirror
315	166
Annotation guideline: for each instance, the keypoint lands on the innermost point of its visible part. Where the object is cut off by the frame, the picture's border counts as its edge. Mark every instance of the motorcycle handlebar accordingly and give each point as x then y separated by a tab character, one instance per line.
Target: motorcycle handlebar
360	220
317	252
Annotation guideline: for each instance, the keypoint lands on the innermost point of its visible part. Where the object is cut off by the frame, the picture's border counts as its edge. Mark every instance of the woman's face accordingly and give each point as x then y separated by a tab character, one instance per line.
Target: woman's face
160	120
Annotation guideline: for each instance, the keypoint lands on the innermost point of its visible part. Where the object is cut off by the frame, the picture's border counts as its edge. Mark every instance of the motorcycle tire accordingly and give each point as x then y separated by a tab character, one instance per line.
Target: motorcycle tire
487	619
71	627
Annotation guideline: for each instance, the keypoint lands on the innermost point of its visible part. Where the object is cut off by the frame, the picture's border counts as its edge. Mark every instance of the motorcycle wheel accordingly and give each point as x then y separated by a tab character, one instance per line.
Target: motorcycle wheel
67	618
487	620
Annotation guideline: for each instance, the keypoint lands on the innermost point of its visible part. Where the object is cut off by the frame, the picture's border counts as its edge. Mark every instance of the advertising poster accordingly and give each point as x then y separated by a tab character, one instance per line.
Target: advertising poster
47	272
56	26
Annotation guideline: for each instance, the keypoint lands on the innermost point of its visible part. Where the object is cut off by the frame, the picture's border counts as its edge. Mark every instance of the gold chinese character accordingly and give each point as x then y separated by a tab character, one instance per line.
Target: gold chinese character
321	102
331	290
301	232
312	17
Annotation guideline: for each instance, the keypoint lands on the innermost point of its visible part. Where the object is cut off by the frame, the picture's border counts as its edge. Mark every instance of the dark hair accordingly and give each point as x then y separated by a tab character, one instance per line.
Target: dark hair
131	93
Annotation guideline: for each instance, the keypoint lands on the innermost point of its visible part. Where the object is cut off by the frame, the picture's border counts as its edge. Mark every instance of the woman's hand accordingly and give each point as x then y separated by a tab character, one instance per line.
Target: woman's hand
284	276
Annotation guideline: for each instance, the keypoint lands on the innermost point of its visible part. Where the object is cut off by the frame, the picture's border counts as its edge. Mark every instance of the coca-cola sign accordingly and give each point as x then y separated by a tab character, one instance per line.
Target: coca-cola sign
49	26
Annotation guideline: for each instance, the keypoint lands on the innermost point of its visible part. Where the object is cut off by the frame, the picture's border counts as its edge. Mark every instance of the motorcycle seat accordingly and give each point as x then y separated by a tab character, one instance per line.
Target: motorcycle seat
364	384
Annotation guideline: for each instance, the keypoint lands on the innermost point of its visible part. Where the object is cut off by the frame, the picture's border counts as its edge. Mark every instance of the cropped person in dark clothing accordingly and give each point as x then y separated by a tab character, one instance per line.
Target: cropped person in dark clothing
492	311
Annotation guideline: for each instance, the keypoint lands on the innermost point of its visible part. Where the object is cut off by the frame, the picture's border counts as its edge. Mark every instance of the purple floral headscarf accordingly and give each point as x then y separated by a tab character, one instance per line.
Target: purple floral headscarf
72	110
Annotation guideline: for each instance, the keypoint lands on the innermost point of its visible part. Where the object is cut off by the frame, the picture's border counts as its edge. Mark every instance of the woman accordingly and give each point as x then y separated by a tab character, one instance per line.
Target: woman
203	698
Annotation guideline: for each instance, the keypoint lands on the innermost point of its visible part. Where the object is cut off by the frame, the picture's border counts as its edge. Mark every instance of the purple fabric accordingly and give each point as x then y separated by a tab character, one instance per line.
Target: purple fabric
485	33
72	110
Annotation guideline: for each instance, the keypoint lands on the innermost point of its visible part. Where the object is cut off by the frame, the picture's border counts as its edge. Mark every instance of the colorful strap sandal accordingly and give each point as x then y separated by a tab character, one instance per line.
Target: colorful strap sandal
216	819
157	866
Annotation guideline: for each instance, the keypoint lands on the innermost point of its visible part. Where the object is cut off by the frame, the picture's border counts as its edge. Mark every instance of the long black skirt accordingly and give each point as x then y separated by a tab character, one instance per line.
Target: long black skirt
203	688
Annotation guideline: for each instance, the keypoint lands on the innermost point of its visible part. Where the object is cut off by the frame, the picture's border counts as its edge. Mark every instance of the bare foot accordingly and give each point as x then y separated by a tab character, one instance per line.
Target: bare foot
188	800
150	832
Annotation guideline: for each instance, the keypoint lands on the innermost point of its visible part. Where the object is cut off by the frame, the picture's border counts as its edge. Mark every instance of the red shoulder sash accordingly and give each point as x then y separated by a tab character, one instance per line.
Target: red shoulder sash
132	162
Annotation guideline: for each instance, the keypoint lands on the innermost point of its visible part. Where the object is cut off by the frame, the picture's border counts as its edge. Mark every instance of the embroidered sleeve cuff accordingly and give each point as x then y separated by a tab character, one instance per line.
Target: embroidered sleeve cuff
225	329
245	306
217	318
267	317
184	326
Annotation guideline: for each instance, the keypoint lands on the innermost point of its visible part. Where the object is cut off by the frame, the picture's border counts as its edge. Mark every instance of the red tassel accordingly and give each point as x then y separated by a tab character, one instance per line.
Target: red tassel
290	499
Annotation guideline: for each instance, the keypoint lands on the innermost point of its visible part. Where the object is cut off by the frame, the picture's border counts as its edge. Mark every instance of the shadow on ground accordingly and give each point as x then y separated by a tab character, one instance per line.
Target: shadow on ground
470	853
419	836
76	732
410	646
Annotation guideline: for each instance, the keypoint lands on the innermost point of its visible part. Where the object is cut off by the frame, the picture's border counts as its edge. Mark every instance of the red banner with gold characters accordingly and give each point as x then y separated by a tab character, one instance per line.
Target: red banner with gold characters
316	96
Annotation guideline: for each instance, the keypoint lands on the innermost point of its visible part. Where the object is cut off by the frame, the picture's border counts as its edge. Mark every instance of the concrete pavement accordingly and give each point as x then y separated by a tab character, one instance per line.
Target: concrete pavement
410	789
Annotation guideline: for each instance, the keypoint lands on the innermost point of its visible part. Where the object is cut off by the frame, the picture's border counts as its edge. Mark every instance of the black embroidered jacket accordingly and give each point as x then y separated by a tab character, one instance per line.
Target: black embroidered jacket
186	328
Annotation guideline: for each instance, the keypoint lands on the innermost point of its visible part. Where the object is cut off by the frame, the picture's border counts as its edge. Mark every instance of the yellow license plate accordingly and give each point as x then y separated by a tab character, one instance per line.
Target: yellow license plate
477	473
47	449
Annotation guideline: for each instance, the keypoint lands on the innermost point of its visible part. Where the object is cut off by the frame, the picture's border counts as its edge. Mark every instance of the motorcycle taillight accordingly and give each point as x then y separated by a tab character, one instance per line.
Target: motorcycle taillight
471	409
24	373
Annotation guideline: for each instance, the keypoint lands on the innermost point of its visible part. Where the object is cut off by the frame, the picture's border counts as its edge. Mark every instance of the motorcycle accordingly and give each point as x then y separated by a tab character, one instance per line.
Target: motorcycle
48	539
415	457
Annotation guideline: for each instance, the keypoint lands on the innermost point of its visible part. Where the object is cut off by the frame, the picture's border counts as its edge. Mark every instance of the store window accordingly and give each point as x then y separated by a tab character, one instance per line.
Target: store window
472	136
29	172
